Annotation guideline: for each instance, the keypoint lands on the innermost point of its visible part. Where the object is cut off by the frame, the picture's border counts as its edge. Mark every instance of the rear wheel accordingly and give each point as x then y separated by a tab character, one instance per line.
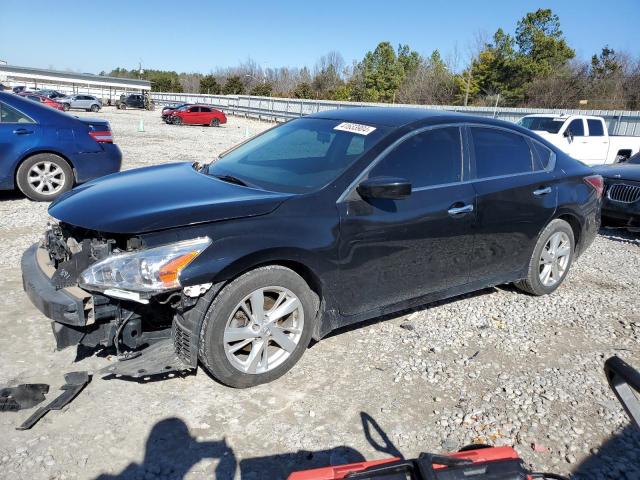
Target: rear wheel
122	106
258	327
44	176
550	260
214	123
95	108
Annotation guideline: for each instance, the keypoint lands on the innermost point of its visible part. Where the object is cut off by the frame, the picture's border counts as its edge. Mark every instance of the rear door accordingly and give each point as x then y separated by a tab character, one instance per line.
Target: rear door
598	141
18	134
516	198
205	115
395	250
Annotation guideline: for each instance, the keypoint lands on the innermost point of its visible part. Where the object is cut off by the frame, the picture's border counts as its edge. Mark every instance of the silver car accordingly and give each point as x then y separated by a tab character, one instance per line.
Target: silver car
85	102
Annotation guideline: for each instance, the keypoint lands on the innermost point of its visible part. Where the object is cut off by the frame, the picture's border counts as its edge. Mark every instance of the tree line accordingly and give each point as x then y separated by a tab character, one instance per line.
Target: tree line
534	67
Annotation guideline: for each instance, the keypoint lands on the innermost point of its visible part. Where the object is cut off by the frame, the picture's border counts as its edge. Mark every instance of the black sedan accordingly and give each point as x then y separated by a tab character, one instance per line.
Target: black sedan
316	224
621	205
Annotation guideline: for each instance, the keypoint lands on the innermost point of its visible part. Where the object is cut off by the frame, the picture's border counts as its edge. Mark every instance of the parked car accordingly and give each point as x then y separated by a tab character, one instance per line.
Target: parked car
168	109
324	221
585	138
621	205
84	102
135	100
197	115
45	152
53	94
42	99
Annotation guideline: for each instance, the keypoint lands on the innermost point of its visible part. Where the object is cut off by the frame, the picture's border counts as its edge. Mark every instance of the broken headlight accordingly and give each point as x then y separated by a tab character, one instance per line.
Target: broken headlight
148	270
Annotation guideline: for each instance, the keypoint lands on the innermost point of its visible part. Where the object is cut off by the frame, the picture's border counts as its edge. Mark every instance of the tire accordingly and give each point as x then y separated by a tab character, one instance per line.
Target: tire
214	123
176	121
95	108
66	107
224	314
41	191
122	106
534	284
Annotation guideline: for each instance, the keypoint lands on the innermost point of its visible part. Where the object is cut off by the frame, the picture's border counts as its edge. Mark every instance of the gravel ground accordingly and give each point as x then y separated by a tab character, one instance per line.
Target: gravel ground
496	367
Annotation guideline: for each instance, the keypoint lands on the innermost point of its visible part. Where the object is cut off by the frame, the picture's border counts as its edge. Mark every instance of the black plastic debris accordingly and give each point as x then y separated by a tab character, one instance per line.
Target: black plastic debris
22	396
76	381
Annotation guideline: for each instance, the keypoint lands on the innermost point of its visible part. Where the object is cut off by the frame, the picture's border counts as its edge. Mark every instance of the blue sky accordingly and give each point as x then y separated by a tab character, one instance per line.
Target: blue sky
200	35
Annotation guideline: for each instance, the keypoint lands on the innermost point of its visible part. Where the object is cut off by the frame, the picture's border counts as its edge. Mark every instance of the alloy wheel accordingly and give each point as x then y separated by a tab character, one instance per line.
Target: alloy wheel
46	178
263	330
554	259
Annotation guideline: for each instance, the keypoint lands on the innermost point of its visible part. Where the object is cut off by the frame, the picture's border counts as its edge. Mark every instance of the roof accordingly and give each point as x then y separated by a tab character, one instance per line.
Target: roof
26	72
386	116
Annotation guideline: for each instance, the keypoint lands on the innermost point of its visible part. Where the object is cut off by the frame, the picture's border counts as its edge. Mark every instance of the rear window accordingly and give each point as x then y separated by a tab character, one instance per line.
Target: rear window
595	128
498	152
543	155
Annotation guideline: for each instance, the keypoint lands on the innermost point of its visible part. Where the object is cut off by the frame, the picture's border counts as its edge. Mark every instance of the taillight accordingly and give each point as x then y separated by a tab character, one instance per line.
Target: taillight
101	136
596	182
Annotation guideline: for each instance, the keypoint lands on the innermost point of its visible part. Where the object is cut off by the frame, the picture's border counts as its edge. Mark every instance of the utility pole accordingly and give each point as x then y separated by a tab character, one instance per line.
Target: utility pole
466	95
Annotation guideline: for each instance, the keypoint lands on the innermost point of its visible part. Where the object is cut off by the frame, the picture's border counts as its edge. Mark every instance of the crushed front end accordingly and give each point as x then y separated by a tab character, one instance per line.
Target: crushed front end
68	277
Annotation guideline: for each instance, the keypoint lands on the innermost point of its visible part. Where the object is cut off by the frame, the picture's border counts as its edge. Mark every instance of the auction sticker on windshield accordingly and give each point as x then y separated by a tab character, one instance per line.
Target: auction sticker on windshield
355	128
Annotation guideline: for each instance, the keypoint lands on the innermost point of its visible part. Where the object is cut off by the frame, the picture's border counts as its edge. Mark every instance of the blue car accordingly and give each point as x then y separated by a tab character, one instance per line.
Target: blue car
44	152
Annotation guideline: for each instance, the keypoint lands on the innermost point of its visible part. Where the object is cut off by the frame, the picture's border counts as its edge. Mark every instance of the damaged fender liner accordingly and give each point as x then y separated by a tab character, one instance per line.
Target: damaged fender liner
58	305
159	358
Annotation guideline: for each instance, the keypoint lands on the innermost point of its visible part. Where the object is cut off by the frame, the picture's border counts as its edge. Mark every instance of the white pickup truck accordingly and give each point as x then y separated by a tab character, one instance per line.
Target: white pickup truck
583	137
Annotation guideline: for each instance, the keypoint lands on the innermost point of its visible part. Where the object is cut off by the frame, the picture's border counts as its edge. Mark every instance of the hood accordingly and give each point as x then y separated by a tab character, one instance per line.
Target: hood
624	171
160	197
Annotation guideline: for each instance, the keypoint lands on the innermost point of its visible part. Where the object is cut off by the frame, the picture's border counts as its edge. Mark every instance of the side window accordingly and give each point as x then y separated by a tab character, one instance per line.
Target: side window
544	156
576	128
193	109
205	109
595	128
11	115
498	152
433	157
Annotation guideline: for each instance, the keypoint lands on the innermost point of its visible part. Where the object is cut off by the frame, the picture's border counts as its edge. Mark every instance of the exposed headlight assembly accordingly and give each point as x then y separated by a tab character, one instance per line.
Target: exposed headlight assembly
149	270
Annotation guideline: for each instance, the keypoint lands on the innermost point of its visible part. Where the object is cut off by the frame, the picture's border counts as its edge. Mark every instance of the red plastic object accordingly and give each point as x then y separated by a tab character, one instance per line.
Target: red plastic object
339	472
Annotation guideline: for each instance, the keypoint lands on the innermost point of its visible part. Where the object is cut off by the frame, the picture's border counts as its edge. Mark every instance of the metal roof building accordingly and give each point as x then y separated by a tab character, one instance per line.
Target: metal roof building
70	82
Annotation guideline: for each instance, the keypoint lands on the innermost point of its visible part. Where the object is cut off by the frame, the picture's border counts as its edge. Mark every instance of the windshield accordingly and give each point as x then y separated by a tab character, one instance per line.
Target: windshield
542	124
300	156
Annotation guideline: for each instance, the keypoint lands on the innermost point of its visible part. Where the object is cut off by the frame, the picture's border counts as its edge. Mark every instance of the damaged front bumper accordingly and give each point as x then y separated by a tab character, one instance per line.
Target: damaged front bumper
157	343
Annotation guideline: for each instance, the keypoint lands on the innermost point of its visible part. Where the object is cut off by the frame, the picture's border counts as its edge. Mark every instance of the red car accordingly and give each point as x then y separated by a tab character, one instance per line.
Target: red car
197	115
42	99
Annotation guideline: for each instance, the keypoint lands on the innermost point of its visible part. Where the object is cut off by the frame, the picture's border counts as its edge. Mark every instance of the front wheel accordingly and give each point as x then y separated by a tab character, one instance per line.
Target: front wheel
177	121
550	260
66	107
258	327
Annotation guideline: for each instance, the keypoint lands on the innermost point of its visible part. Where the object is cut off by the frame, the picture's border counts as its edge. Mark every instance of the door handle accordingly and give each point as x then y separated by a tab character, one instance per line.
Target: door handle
22	131
453	211
542	191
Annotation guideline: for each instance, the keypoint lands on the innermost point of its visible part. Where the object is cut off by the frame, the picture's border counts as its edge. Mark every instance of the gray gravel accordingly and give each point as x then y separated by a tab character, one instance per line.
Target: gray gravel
496	367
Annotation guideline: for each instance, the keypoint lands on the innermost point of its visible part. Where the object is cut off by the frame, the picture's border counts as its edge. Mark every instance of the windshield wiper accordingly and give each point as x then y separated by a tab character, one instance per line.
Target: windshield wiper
232	179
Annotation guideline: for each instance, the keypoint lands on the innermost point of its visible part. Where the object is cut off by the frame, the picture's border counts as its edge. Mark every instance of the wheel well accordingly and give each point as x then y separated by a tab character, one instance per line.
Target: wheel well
575	226
15	173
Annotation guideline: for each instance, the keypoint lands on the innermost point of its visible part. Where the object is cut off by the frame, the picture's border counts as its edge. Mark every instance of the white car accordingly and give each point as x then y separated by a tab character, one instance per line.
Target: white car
84	102
585	138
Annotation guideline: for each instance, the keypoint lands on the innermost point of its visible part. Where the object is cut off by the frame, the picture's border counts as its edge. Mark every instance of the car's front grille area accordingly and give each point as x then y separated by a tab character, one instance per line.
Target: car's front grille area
621	192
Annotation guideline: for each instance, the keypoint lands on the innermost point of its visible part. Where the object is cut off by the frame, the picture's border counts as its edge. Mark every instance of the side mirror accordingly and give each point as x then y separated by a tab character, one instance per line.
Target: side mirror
389	188
568	135
625	383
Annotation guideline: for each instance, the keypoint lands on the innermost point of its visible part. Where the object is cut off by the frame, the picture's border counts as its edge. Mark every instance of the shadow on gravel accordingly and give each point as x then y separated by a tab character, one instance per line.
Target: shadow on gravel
620	235
171	452
617	458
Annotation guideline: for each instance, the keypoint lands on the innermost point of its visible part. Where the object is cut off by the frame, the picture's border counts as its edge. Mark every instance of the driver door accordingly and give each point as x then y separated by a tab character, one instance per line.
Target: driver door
396	250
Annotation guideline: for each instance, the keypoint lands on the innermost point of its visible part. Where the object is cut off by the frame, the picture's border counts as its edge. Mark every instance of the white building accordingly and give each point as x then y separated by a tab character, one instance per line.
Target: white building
106	88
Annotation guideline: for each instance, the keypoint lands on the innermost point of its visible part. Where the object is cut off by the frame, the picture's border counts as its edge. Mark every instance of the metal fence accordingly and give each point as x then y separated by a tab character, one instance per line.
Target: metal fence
619	122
